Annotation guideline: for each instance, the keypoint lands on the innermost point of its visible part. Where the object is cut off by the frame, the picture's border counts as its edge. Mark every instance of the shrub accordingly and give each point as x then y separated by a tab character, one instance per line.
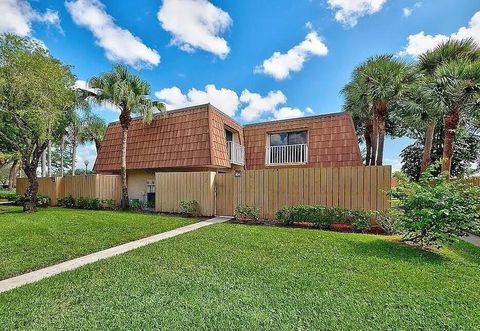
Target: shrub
360	219
324	217
109	204
189	207
246	213
136	205
7	195
41	201
390	221
67	202
437	210
88	203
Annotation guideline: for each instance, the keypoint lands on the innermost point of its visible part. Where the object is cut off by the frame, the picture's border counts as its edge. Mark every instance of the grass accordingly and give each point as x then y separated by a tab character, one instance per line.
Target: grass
234	277
31	241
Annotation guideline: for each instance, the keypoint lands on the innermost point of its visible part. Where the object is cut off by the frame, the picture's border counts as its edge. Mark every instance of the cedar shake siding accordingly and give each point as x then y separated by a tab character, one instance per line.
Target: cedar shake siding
331	141
194	139
189	138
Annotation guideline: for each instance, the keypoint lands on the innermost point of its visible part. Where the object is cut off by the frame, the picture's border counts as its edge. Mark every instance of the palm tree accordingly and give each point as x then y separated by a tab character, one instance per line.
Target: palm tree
129	93
385	79
453	69
356	103
93	130
374	91
419	116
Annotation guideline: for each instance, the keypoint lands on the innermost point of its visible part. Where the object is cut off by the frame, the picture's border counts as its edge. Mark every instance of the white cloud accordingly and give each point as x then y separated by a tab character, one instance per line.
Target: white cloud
408	11
17	17
224	99
286	113
279	65
348	12
195	24
422	42
253	105
257	106
119	44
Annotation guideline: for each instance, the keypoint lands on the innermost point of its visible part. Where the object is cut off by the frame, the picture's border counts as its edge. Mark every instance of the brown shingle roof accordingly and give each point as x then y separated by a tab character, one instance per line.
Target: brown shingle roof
195	137
179	138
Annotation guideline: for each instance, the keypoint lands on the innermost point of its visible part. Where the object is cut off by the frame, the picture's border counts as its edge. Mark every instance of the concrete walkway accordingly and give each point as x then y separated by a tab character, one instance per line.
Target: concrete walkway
472	239
35	276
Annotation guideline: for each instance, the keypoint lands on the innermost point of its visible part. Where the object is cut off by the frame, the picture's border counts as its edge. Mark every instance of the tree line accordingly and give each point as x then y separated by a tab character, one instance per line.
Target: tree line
439	93
44	116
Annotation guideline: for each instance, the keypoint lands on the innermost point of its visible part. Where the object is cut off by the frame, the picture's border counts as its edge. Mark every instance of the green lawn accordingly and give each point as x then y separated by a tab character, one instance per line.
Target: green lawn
227	277
31	241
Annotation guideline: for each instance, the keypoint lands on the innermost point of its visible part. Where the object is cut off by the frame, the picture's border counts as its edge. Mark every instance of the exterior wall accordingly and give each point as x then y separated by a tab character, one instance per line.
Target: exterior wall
218	122
332	141
137	183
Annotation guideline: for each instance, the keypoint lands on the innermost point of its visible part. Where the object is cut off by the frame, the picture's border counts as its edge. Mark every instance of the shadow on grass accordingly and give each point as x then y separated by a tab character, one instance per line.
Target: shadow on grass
9	209
395	251
467	251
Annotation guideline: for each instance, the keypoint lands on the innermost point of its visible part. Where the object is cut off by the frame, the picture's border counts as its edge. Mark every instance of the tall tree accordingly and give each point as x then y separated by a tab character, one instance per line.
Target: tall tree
375	88
129	93
35	98
93	130
454	71
385	79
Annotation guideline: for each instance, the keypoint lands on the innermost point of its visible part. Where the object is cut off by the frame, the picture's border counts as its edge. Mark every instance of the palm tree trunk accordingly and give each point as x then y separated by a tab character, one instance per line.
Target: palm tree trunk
125	120
98	144
374	140
427	149
74	153
12	177
450	124
62	149
381	109
368	141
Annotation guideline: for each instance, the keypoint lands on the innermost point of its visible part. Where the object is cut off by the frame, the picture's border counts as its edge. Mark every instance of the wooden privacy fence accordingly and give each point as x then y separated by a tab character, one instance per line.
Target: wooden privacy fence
475	181
89	186
270	190
173	187
49	186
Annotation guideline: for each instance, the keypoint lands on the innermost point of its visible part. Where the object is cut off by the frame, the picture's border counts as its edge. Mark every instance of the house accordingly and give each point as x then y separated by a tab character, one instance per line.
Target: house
202	138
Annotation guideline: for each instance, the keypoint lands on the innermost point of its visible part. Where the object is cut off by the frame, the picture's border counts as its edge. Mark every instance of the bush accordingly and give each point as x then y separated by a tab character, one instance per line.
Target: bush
190	207
136	205
390	221
67	202
41	201
324	217
87	203
7	195
246	213
437	210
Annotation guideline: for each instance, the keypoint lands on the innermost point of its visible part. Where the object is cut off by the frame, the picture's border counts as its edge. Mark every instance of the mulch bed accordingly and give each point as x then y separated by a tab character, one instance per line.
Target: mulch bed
337	227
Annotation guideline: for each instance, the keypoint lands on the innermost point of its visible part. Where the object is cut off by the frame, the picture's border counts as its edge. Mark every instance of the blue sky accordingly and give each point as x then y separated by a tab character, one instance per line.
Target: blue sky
254	59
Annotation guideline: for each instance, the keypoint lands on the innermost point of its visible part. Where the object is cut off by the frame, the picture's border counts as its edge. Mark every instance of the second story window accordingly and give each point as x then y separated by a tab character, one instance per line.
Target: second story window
287	147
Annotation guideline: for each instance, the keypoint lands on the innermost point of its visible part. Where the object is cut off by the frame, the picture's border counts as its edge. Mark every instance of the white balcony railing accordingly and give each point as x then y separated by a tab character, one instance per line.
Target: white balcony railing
236	153
286	154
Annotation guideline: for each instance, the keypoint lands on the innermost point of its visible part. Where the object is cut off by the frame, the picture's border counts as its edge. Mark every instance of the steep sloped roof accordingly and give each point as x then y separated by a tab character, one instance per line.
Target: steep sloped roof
188	137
